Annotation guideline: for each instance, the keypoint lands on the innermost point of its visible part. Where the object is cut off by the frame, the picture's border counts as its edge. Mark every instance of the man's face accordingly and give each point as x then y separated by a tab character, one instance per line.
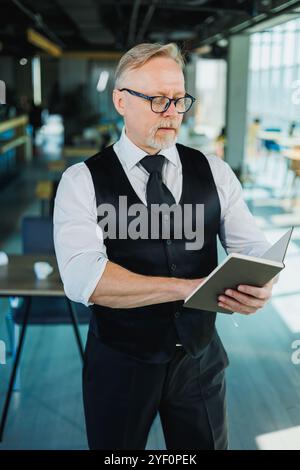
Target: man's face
160	76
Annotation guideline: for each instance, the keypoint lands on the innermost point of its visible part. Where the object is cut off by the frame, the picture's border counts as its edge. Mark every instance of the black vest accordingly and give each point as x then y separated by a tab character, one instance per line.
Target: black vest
150	333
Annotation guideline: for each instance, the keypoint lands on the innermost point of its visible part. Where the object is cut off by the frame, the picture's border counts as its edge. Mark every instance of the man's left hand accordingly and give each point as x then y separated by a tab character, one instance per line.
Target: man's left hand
247	299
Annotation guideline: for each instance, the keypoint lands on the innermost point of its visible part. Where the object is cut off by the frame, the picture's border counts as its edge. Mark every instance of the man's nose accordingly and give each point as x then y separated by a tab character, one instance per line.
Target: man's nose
171	111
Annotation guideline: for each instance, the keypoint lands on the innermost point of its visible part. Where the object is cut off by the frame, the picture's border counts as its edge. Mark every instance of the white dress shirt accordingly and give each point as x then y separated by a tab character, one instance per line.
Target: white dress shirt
81	253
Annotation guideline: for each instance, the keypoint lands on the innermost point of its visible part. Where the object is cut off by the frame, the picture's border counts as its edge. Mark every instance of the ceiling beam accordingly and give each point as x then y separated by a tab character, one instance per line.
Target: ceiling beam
147	19
39	22
133	23
199	8
214	34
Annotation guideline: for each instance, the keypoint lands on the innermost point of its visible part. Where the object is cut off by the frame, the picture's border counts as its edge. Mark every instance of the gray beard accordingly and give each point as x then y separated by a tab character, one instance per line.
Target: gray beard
161	144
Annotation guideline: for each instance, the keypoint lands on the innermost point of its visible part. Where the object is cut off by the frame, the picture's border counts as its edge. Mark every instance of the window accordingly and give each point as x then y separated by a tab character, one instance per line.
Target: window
288	41
266	50
255	52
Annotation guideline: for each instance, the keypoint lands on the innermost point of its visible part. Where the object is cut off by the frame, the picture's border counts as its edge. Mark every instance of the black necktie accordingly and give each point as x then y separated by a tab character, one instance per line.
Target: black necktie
156	191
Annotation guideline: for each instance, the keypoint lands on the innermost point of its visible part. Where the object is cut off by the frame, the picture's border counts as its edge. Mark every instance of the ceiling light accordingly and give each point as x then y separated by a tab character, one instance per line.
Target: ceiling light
103	79
222	42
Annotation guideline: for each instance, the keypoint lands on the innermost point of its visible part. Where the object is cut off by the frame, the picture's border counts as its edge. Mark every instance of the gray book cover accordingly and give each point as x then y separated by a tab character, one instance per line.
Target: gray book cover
239	269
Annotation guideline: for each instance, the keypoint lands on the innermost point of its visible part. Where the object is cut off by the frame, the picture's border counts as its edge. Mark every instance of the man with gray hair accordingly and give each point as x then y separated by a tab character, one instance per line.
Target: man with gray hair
145	352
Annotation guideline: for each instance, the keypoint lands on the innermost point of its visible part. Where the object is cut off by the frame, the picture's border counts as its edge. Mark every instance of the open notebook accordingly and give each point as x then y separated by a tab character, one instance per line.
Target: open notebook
239	269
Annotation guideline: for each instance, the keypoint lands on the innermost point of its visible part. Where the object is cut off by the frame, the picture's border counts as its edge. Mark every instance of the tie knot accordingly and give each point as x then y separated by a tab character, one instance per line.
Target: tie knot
153	163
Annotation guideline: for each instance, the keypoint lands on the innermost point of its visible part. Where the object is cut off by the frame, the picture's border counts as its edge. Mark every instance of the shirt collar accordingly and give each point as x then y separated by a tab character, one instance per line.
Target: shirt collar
131	154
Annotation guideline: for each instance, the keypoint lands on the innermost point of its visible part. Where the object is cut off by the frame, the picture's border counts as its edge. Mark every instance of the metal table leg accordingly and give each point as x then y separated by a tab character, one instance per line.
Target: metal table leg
75	326
15	367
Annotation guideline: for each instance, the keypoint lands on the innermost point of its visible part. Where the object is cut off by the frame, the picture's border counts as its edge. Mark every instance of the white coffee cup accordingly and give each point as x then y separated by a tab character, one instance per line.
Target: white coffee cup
42	269
3	258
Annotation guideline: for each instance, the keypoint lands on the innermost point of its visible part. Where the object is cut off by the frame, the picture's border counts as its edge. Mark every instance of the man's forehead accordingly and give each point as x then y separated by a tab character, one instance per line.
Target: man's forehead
161	81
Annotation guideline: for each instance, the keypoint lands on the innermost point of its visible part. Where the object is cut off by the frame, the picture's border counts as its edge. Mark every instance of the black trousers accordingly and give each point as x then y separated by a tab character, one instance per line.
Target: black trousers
122	396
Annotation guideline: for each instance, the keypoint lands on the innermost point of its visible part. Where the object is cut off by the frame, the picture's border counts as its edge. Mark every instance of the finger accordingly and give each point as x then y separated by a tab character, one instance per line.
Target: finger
258	292
244	298
236	306
235	310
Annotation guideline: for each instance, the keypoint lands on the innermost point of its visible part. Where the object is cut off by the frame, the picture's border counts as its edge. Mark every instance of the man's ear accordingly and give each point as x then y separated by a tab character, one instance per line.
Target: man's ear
118	99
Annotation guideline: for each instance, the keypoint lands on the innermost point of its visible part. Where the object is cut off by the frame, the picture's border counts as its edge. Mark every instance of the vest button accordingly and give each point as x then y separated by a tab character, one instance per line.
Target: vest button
169	242
177	314
173	267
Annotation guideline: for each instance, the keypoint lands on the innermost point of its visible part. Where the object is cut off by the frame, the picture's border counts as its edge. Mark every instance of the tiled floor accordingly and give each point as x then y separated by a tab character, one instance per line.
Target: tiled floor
263	377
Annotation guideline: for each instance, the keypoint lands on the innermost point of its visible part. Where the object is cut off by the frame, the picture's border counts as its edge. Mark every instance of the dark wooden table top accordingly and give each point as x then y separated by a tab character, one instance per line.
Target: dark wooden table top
18	278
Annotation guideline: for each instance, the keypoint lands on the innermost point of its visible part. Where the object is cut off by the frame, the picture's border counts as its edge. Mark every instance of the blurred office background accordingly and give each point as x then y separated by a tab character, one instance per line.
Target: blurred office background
57	60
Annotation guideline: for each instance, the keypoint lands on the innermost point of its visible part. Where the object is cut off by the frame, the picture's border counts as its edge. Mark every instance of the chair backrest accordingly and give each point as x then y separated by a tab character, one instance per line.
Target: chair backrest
37	235
37	238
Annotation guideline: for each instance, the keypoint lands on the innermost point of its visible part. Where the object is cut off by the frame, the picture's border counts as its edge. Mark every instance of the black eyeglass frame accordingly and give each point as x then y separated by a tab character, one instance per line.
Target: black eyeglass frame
151	98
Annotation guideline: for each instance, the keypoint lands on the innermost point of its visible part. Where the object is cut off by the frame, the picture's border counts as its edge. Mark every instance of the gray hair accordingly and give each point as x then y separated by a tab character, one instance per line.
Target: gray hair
140	54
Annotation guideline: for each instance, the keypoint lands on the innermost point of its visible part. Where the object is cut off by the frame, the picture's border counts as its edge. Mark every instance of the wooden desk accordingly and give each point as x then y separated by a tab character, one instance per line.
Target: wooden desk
279	138
292	154
293	161
289	141
79	152
18	279
57	166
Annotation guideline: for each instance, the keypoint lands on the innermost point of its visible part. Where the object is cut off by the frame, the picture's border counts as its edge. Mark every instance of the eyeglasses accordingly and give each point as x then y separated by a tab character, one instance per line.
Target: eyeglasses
160	104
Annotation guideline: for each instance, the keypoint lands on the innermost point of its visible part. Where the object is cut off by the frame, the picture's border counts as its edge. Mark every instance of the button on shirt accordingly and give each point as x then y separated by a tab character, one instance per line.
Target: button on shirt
79	246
